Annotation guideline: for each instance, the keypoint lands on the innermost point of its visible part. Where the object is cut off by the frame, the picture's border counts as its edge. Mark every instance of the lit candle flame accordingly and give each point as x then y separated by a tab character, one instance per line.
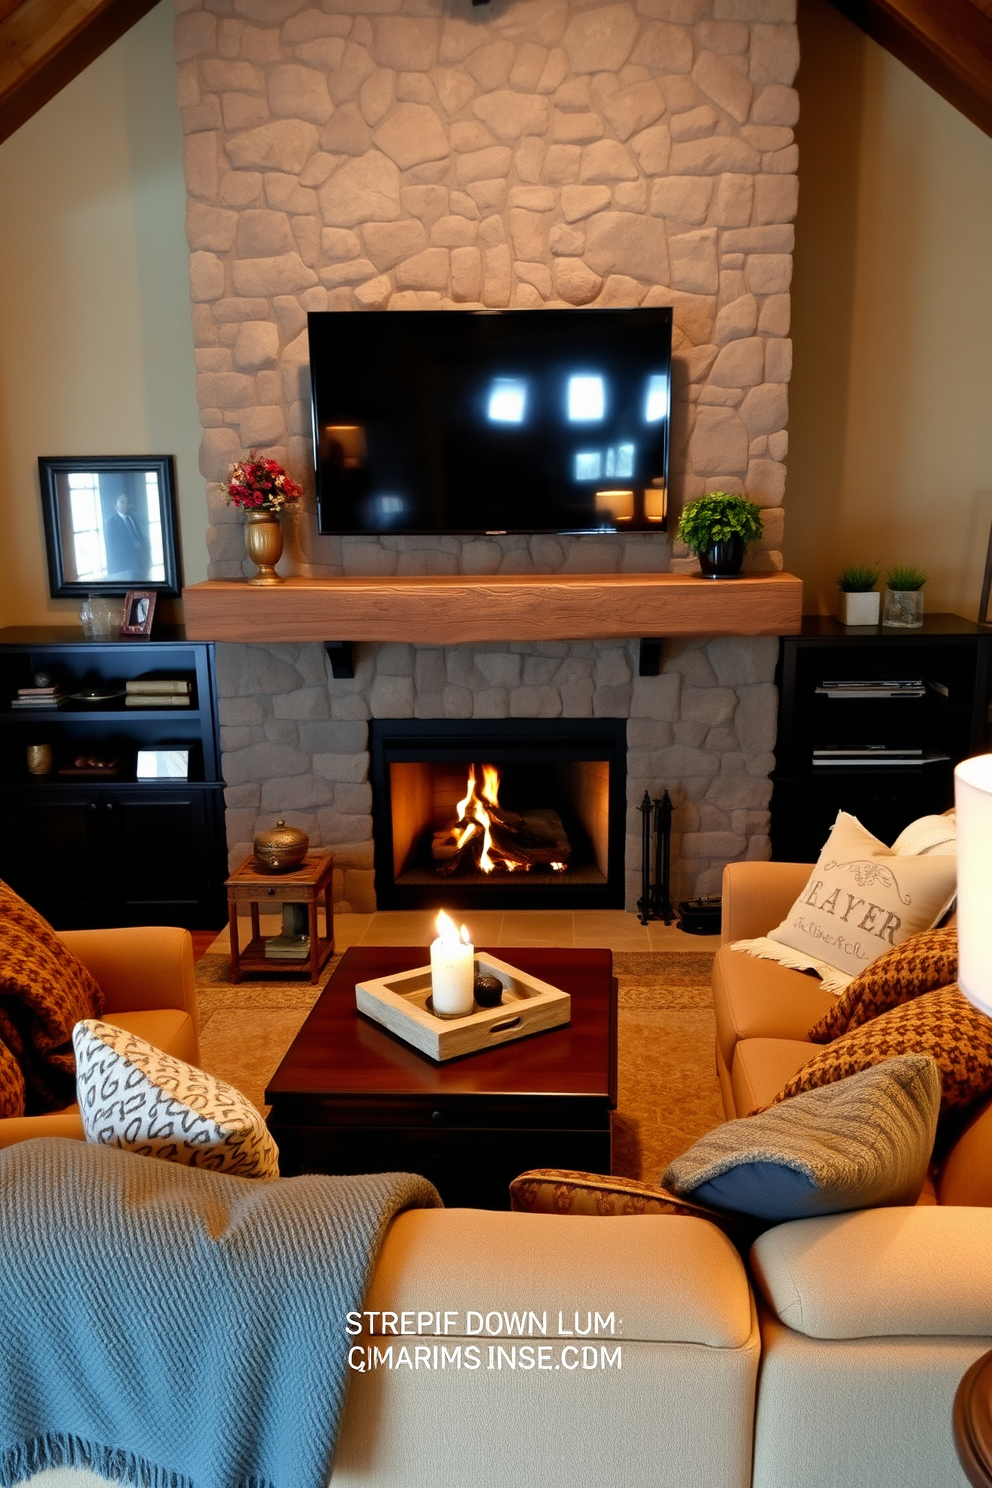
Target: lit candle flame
448	932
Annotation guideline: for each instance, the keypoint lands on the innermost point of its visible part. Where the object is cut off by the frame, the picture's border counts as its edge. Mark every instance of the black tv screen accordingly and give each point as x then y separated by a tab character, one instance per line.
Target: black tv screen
491	421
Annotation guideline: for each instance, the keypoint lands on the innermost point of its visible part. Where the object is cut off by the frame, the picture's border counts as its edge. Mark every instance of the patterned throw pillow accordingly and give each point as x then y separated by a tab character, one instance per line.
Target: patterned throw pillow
132	1095
857	1144
942	1023
44	991
921	964
566	1191
863	898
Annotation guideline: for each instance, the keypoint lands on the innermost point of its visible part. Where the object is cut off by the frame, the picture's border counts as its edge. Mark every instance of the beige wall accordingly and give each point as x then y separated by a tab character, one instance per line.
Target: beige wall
890	425
96	350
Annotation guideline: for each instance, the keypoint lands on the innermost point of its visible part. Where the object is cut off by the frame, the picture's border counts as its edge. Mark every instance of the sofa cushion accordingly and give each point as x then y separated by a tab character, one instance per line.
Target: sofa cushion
760	999
134	1096
864	1141
862	898
965	1177
919	964
942	1023
44	990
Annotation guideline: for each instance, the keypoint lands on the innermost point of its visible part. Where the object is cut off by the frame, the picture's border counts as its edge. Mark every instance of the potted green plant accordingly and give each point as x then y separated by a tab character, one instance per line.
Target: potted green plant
718	528
858	600
904	596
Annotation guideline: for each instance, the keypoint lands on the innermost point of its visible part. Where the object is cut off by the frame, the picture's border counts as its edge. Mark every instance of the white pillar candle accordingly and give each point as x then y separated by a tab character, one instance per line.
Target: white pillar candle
452	970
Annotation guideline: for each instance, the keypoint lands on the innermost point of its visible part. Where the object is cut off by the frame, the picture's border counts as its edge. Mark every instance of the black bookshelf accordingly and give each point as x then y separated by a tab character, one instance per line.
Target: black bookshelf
118	850
946	721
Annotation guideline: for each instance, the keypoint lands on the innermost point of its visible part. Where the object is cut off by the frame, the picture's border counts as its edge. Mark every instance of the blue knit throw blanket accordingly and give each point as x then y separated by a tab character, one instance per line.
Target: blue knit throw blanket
168	1327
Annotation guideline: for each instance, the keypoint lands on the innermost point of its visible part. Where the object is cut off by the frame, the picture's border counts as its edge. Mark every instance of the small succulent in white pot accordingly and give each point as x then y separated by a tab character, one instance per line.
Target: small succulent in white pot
858	600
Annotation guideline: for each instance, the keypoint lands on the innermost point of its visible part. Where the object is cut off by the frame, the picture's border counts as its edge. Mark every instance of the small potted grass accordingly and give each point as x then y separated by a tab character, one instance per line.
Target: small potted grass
858	600
904	596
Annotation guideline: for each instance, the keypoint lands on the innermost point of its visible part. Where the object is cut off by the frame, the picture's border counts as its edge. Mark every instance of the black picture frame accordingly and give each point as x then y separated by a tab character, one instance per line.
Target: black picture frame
92	556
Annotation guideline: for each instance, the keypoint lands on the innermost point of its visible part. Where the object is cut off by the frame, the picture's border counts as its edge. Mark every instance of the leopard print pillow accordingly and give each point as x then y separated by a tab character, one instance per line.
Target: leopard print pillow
942	1023
919	964
134	1096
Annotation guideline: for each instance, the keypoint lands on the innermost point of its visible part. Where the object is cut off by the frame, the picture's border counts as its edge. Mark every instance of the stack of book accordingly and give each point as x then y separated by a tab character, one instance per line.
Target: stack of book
874	688
874	754
287	948
160	692
39	697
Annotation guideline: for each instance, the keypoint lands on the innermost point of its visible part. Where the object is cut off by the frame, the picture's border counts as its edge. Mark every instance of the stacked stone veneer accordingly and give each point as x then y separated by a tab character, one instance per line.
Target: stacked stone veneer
296	740
410	154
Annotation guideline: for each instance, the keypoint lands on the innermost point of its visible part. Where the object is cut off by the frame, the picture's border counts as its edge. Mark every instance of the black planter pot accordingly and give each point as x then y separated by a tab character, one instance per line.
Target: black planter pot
722	560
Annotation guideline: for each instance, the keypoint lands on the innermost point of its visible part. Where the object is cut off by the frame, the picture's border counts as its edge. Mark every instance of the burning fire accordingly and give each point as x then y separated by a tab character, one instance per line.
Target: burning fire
485	831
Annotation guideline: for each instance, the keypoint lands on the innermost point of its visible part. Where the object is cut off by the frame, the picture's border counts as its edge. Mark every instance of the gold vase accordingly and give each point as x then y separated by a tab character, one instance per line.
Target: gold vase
263	543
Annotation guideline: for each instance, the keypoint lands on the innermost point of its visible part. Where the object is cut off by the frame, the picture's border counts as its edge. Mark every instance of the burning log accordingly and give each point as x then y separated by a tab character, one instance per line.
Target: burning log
486	836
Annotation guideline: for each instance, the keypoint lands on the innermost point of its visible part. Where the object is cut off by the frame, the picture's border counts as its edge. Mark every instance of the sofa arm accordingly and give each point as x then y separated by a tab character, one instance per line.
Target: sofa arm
925	1271
138	967
756	896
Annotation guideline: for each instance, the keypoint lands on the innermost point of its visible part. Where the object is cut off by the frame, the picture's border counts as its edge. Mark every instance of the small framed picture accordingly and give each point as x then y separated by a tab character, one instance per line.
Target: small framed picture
139	611
162	764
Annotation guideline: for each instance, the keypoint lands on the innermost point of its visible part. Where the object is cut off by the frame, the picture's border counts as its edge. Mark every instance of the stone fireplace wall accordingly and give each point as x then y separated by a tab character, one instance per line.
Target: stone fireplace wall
409	154
295	739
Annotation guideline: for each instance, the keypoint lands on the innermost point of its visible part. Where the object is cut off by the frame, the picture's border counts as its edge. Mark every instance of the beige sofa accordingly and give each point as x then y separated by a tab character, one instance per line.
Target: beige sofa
831	1364
146	975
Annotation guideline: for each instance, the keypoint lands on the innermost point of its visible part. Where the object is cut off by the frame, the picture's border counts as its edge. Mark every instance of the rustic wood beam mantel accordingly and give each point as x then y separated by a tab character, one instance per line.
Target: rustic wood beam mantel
44	44
451	610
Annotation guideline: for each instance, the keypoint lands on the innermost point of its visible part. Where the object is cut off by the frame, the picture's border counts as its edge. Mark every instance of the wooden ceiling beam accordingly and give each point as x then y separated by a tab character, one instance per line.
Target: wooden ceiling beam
947	43
44	44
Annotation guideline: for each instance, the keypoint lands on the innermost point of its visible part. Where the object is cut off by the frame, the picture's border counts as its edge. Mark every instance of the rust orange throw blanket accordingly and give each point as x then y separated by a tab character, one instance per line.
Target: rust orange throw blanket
44	991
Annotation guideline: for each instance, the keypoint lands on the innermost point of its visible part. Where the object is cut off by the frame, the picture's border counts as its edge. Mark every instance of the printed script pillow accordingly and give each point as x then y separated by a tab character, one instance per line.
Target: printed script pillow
132	1095
863	898
942	1023
861	1142
44	991
921	964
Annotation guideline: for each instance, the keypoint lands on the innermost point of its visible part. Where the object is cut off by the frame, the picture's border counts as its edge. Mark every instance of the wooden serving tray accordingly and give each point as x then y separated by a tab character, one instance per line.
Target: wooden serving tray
399	1003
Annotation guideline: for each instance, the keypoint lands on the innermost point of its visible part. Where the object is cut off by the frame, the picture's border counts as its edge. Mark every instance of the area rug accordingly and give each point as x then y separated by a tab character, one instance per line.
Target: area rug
668	1093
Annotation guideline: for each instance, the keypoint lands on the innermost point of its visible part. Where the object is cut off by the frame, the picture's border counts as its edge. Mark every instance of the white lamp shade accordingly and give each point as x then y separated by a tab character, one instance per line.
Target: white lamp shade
973	799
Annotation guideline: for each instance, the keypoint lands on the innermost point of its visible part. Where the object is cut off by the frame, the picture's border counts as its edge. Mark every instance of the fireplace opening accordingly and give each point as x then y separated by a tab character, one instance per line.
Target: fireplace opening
519	813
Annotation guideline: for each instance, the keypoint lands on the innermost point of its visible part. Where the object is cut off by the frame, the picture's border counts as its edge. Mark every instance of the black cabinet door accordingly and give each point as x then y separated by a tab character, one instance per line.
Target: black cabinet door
158	844
53	851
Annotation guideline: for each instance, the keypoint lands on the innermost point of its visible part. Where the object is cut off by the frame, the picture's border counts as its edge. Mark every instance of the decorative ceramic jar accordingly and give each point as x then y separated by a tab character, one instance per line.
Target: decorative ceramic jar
903	608
724	559
263	544
859	608
280	848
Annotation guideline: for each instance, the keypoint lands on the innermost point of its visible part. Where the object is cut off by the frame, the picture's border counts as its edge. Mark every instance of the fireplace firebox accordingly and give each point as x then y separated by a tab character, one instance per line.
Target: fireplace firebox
498	814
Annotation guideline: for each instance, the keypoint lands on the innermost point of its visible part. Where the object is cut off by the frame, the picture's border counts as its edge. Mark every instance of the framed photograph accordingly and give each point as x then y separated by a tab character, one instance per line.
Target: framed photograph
162	764
139	612
110	524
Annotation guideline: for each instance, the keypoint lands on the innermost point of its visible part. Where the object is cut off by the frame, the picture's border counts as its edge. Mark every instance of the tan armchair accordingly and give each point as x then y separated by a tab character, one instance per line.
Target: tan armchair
146	973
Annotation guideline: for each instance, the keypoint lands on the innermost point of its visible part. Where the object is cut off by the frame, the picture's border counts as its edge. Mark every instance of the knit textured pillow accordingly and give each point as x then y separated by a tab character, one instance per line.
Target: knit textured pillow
134	1096
859	1143
942	1023
44	991
920	964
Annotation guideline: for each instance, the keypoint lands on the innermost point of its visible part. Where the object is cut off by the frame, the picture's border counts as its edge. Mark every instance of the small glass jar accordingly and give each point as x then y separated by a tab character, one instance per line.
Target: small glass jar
903	608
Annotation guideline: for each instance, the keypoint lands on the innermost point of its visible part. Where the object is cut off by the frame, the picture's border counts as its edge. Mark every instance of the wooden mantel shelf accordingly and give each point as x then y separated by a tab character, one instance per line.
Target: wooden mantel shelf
453	609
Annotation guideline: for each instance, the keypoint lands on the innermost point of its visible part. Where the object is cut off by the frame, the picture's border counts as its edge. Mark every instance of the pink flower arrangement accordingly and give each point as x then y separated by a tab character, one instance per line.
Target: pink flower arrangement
258	484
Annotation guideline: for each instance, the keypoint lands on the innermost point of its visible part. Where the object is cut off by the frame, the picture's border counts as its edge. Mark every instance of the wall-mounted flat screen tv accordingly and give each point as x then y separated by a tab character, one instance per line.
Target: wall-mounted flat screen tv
491	421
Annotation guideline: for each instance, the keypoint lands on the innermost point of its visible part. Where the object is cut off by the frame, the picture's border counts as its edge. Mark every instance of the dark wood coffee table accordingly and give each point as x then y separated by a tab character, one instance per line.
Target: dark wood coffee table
351	1098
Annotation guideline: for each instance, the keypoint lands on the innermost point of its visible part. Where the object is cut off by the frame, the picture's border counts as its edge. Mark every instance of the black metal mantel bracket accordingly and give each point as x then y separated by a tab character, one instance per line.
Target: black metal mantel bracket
341	656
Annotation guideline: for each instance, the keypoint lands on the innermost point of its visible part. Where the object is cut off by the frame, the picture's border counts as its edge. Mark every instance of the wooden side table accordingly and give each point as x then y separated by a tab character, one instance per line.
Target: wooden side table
302	885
